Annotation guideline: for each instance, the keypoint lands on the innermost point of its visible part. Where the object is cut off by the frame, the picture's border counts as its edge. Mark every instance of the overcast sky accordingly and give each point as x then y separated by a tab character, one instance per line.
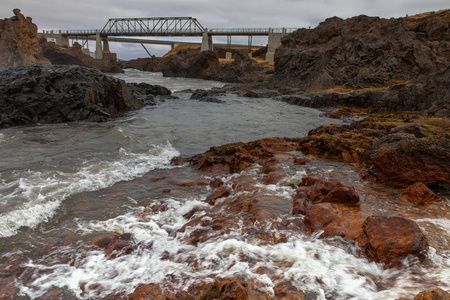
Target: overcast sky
93	14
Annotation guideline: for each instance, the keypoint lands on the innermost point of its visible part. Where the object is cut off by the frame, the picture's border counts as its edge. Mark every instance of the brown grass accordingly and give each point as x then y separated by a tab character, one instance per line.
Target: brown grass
182	46
434	17
225	61
344	89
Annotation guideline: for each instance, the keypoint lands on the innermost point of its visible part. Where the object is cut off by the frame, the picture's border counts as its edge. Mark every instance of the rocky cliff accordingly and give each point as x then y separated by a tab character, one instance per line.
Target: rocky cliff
363	52
19	43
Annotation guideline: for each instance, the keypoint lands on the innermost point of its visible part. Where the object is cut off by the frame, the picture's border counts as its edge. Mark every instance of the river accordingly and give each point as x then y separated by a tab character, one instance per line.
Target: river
61	185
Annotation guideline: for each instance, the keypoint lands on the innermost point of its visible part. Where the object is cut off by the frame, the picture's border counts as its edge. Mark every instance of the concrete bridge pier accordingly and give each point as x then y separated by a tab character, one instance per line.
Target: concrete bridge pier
207	42
98	46
273	43
105	45
228	54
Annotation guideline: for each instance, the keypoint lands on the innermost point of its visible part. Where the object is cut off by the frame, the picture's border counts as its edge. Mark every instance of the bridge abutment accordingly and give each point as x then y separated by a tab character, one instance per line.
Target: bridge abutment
273	43
207	42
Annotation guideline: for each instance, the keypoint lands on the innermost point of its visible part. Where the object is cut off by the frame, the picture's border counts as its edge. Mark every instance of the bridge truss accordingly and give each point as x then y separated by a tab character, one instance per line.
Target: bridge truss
181	26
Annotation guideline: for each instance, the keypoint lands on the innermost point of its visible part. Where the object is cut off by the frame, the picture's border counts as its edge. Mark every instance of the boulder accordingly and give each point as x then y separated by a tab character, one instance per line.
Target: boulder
116	244
402	159
433	294
419	193
19	44
391	239
53	94
146	92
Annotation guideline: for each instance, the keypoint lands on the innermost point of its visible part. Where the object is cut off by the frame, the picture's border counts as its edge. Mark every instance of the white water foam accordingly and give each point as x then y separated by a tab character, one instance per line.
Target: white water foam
41	193
312	265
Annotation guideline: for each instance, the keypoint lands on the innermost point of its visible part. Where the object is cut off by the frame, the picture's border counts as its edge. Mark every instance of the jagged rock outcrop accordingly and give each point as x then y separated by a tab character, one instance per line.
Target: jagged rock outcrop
52	94
19	43
361	52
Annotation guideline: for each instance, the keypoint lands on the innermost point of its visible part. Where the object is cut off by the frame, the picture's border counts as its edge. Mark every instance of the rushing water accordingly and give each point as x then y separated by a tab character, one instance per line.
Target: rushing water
61	185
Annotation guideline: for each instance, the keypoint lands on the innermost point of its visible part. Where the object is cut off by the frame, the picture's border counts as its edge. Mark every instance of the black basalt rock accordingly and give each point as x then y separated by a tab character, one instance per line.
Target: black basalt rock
52	94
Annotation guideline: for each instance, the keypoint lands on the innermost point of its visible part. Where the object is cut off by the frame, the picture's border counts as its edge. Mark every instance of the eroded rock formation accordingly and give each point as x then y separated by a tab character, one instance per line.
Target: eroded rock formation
19	43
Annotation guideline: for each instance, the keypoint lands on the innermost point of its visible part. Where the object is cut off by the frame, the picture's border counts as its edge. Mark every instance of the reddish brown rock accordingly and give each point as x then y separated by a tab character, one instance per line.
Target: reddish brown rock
402	159
391	239
116	244
419	193
334	193
342	194
433	294
318	216
19	44
274	177
220	192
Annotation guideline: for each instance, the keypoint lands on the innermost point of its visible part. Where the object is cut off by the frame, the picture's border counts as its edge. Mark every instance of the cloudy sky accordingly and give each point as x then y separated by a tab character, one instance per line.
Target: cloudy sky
93	14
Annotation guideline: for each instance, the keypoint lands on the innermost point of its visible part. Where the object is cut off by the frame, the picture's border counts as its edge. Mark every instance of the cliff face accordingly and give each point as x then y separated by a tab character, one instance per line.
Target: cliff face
364	52
19	43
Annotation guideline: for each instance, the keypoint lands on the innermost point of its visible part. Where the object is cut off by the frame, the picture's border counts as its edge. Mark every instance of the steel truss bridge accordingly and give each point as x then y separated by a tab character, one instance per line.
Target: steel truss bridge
117	29
178	26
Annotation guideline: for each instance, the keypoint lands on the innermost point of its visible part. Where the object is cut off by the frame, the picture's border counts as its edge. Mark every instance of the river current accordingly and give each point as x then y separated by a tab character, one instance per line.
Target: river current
63	184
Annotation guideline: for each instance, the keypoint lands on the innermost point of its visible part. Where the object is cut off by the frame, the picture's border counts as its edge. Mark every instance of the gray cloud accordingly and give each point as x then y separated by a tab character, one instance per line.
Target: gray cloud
88	14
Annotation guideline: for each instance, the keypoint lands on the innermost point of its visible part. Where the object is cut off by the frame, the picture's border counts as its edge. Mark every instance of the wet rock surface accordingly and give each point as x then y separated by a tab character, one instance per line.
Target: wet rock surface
19	43
391	239
146	93
53	94
403	159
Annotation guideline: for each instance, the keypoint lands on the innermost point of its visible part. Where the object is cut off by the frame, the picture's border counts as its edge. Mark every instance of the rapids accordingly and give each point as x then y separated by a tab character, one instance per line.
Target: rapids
63	185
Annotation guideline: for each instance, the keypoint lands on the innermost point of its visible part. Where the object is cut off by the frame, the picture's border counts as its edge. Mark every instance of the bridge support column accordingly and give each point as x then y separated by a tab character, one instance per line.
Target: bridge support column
105	45
228	54
207	43
273	43
98	46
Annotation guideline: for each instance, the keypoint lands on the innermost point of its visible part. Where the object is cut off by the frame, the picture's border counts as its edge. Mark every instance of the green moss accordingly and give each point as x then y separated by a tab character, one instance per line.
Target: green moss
211	294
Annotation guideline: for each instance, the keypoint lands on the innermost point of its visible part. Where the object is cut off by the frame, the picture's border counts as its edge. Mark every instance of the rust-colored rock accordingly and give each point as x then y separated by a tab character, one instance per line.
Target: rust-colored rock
19	44
433	294
419	193
402	159
319	216
391	239
116	244
342	194
220	192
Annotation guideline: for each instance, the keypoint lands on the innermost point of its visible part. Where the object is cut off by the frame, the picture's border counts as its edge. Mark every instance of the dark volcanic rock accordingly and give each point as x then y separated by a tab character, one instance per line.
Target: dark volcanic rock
19	43
146	92
74	56
52	94
358	52
402	159
262	94
193	63
207	95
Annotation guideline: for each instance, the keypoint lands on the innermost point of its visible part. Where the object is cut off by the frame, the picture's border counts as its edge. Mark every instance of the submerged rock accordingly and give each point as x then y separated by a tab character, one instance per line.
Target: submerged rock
53	94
